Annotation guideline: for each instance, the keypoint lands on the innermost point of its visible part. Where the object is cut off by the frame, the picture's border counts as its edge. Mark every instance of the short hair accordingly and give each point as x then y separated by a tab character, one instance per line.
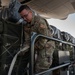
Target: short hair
22	7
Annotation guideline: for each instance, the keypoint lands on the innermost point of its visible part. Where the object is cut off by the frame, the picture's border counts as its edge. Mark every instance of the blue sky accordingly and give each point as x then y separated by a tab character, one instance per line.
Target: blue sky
67	25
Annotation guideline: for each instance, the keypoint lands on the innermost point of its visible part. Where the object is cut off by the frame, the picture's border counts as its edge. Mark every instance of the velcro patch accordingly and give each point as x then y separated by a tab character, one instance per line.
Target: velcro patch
42	26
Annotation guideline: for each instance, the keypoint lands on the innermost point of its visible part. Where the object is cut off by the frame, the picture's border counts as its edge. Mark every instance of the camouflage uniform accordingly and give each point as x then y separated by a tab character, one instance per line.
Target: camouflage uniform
43	47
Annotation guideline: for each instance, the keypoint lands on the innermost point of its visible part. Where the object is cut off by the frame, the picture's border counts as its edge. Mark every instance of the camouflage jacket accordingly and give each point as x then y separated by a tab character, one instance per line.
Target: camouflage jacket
40	26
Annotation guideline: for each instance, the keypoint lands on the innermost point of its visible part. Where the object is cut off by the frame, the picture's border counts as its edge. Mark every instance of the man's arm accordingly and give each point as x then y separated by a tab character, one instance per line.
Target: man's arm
42	29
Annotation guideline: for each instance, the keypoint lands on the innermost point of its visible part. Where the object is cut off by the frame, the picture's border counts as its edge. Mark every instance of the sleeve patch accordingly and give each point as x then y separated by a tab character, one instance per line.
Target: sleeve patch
42	26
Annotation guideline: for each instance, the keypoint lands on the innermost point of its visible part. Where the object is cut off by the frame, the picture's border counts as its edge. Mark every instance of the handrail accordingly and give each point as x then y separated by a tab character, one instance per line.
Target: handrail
54	68
33	38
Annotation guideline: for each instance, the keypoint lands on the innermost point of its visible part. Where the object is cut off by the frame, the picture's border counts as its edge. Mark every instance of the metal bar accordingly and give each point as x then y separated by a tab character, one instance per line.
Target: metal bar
60	66
33	38
54	39
31	71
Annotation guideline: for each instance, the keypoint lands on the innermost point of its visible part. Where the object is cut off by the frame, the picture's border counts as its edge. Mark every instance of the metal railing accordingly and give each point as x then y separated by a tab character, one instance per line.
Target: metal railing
33	39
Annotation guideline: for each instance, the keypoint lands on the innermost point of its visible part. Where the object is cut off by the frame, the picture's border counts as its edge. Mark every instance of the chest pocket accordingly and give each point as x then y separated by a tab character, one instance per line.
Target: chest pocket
35	27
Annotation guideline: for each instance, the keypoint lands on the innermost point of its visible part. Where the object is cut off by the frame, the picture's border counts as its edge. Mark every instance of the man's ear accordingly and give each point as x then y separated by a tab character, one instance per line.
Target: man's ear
30	11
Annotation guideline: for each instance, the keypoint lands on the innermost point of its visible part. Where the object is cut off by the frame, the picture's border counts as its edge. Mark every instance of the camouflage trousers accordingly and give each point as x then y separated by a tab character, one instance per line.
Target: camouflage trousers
44	57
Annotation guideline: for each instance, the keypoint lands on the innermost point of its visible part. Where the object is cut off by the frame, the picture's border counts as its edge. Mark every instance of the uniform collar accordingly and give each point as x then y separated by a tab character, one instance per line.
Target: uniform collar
33	15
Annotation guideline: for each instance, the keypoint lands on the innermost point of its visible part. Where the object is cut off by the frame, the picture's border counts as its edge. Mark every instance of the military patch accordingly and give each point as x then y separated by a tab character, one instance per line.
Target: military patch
42	26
